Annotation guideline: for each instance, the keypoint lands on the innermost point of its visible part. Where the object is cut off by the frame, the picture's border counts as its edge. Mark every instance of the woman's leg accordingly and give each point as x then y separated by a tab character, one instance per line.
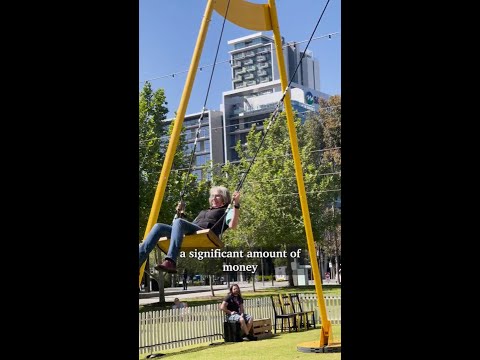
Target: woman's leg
157	231
180	227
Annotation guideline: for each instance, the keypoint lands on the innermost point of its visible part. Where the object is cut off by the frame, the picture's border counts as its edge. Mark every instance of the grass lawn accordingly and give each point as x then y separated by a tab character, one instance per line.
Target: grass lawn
283	346
329	290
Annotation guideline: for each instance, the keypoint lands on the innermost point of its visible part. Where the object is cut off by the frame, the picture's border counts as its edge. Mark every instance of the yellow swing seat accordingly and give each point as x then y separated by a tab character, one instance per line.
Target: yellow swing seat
202	239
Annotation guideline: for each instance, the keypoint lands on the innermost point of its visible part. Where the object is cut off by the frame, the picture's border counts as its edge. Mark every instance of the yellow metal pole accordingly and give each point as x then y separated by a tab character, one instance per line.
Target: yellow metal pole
325	333
177	127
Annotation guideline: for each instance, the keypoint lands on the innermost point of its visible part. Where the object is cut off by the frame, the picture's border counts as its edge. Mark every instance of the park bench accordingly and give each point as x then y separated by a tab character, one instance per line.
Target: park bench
262	328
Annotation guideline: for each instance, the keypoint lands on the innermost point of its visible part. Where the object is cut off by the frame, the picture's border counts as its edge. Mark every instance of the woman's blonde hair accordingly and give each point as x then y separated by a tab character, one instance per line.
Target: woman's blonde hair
222	190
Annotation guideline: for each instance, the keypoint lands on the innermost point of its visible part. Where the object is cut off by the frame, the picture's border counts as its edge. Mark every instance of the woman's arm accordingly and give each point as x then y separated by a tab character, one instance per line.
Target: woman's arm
236	210
223	307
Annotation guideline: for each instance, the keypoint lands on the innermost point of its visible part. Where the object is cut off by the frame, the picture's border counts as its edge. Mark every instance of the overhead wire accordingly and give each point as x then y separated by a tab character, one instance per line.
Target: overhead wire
201	67
262	157
277	108
166	137
197	134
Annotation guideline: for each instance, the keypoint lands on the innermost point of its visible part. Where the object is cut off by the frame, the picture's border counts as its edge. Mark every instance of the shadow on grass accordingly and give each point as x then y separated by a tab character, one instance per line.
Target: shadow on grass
201	348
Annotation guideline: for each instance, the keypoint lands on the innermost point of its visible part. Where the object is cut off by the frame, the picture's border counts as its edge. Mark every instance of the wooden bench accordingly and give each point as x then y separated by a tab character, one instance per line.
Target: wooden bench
262	328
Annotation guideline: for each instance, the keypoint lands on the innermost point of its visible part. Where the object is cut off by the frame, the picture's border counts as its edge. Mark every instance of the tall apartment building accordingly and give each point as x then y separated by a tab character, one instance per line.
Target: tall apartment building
256	90
256	87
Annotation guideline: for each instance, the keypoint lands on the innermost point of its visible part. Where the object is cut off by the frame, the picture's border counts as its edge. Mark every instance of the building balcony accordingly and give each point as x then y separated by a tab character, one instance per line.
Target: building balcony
261	73
251	82
237	64
261	58
248	62
237	111
263	65
237	79
250	54
249	76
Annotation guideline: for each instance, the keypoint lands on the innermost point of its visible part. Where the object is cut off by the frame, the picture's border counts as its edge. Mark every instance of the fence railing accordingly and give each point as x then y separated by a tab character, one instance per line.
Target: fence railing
173	328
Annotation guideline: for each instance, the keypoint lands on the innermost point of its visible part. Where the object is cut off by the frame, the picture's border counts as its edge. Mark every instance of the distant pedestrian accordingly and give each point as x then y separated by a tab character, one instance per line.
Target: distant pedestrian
177	304
182	307
185	279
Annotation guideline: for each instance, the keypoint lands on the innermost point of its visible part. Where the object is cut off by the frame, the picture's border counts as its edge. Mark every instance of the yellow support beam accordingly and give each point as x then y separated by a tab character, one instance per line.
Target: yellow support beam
177	126
245	14
325	333
260	17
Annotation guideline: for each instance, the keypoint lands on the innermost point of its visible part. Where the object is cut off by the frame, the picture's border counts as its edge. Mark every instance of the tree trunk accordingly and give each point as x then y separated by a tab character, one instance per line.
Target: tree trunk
289	270
211	284
146	279
161	282
263	275
321	265
227	275
336	258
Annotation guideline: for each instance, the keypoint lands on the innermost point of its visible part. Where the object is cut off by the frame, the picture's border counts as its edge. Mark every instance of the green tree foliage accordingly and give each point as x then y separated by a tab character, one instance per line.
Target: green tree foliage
324	129
154	138
152	110
271	216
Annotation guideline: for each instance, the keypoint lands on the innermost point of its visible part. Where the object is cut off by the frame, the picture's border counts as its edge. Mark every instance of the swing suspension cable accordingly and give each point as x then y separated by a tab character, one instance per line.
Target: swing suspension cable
197	134
279	103
273	116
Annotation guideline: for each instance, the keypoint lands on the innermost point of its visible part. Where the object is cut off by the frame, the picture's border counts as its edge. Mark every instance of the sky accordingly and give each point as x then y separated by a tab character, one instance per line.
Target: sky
168	33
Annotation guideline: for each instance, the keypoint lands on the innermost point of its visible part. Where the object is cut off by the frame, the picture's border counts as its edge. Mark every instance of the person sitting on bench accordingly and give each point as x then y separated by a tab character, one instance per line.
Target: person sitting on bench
232	306
206	219
177	304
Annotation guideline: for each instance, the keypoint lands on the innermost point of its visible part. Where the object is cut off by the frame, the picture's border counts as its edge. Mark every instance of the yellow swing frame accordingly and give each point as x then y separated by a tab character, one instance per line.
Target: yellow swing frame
259	17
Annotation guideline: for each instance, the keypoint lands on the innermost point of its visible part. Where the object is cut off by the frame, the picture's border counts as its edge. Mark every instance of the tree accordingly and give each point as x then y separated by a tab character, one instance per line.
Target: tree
271	213
324	129
151	150
153	141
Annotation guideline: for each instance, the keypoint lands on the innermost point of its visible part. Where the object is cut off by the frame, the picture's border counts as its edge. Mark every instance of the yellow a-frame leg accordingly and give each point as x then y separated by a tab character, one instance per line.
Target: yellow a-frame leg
260	17
263	17
177	126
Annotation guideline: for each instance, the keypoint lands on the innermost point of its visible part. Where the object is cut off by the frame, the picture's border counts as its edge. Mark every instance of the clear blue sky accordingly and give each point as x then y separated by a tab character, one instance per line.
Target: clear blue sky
169	30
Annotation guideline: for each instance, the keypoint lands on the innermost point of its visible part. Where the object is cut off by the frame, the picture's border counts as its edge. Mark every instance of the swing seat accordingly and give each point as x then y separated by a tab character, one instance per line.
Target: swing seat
202	239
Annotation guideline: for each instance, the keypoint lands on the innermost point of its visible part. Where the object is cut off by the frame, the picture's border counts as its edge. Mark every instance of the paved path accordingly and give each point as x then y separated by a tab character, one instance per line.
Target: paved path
204	291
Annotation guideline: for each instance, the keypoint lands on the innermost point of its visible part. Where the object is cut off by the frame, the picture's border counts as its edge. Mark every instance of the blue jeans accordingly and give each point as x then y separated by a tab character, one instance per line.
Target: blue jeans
179	228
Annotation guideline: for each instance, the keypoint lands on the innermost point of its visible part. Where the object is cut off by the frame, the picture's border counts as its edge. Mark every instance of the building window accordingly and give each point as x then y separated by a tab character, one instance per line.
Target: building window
200	160
233	155
198	174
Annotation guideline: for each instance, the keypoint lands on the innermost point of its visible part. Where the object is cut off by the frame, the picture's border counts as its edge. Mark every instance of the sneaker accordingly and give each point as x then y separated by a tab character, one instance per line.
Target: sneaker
251	337
168	266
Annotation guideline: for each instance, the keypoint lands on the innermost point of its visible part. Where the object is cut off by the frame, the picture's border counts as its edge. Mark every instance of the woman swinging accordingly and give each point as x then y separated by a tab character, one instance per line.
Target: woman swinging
206	219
